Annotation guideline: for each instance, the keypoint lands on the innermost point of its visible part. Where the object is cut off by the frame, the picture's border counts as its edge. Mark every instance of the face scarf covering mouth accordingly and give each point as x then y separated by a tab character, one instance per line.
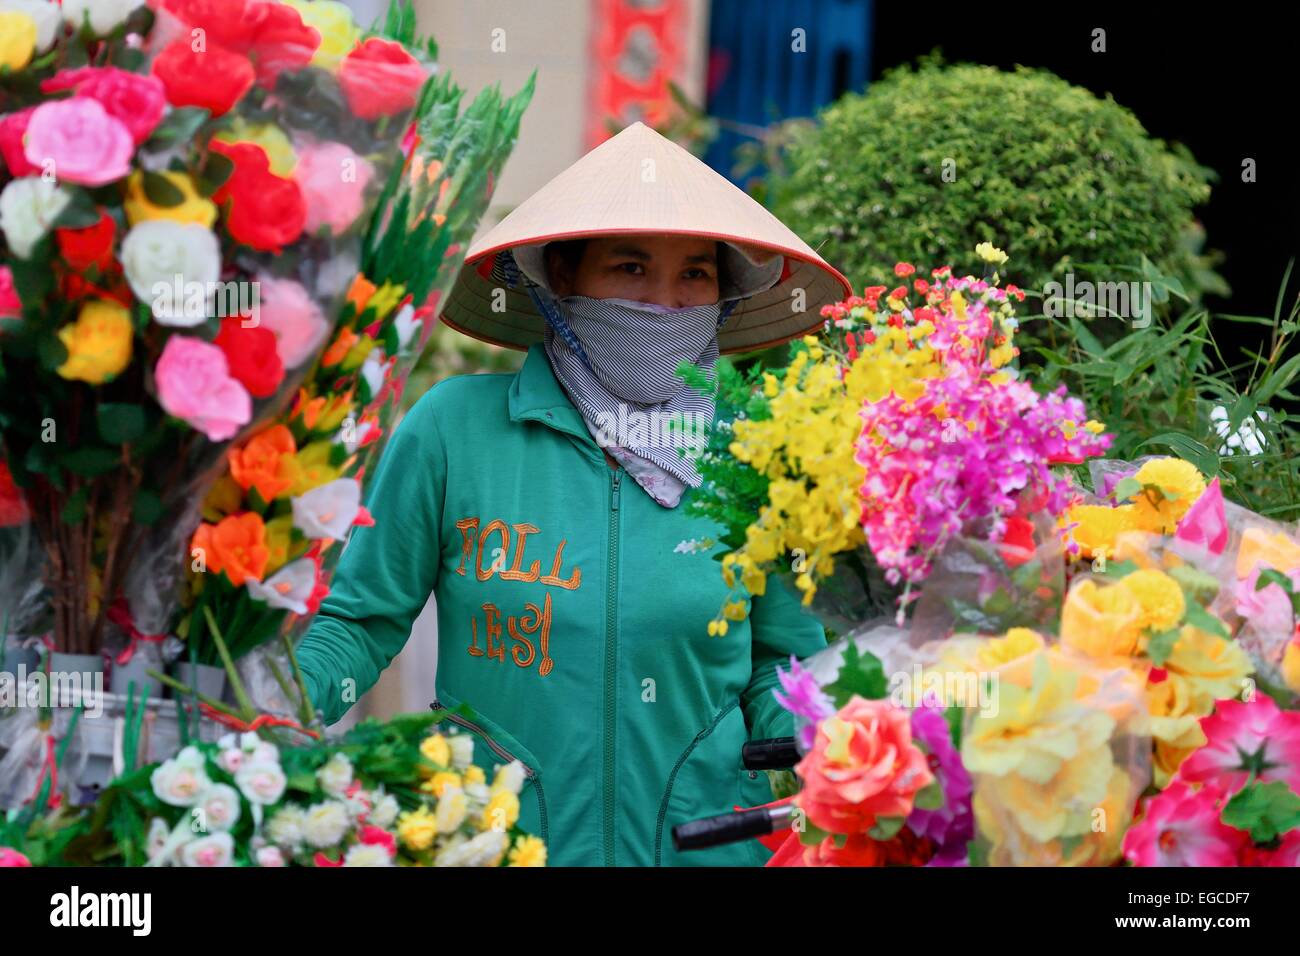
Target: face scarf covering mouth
617	360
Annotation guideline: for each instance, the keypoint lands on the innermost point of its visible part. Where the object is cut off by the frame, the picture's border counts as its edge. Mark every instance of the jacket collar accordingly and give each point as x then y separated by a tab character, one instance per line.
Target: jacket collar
537	395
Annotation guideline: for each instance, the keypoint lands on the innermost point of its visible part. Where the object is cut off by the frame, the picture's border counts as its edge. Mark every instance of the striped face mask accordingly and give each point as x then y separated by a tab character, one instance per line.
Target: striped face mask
617	359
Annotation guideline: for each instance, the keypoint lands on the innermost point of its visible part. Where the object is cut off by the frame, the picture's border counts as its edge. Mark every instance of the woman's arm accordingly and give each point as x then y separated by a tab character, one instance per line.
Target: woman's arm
780	626
386	573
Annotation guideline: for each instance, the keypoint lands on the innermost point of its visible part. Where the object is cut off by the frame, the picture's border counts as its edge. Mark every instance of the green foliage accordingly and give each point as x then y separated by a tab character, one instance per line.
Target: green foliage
1266	810
1159	389
1059	178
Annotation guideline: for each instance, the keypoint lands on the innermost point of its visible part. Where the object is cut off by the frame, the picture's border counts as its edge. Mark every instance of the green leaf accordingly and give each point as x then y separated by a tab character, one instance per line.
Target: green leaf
147	508
80	212
91	461
1126	488
216	171
1161	645
52	351
930	797
161	191
1187	448
861	674
74	509
1265	810
886	828
180	125
1199	617
120	423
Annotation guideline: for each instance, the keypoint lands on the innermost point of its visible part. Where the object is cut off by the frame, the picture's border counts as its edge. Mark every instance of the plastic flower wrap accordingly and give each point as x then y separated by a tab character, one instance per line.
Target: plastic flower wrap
900	429
161	169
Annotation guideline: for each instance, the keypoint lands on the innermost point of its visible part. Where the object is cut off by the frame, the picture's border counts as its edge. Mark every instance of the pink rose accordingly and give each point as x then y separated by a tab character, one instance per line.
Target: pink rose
288	310
10	304
12	128
135	99
1182	826
194	385
863	765
1269	608
10	857
333	180
85	143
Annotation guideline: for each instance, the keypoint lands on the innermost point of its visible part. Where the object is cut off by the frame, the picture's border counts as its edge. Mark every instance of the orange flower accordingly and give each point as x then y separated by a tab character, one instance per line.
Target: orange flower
325	414
360	293
235	546
340	348
265	462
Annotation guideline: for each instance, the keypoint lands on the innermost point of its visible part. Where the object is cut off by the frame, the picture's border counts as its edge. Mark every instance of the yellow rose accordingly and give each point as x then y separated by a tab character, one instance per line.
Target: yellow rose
417	828
527	851
279	150
501	812
1159	596
193	209
1101	621
440	781
17	40
333	21
1270	550
474	774
1175	725
98	343
1179	484
1018	642
436	749
1214	668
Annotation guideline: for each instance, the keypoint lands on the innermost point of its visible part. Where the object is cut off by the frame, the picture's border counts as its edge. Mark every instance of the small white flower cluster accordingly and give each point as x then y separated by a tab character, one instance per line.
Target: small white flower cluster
203	838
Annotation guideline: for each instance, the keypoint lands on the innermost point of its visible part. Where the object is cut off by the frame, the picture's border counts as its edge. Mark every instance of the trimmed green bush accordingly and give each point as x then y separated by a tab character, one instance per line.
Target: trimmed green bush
1059	178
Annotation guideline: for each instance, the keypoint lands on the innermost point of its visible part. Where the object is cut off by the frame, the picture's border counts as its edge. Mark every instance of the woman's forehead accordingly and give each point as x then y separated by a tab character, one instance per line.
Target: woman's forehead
651	246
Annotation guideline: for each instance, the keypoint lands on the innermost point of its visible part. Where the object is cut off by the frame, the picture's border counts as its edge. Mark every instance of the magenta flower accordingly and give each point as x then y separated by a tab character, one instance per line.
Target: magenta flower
803	697
1182	827
137	99
1243	739
952	826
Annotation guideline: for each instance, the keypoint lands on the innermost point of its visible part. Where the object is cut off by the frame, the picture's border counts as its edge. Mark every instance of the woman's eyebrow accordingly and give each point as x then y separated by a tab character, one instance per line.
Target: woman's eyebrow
708	258
633	252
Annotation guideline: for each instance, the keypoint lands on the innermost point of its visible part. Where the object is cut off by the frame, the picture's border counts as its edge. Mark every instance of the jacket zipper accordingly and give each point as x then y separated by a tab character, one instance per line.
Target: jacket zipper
505	755
611	662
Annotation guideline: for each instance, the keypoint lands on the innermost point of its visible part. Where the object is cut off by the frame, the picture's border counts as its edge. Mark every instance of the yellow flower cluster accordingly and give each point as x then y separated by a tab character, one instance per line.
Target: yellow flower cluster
806	450
1170	486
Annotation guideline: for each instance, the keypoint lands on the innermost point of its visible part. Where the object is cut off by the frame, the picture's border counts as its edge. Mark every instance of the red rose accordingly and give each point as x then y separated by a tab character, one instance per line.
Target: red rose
1017	544
89	246
136	100
12	128
230	23
216	78
379	78
13	508
281	42
252	356
266	211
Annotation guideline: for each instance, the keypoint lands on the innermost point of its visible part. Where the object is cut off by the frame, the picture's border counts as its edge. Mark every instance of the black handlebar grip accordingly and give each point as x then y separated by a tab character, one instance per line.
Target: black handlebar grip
727	828
775	753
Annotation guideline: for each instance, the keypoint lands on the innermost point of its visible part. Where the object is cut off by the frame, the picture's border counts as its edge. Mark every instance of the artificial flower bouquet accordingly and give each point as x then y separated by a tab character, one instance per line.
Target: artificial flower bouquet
1136	725
903	427
185	193
399	793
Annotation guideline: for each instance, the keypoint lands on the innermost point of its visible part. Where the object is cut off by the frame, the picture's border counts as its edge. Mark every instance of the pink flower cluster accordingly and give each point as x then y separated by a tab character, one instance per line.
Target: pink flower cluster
1255	742
960	460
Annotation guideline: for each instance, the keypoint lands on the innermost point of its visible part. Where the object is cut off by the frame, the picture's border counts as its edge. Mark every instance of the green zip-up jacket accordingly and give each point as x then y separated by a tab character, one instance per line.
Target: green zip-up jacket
569	620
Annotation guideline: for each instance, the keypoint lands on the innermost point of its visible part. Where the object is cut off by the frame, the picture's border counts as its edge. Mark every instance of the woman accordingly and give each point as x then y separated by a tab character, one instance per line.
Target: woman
546	510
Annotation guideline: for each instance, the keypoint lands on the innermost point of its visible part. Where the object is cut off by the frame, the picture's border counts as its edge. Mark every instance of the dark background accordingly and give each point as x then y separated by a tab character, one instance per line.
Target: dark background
1223	81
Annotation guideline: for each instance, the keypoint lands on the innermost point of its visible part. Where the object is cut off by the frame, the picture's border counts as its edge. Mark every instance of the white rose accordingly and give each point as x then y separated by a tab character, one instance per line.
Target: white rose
336	776
44	13
510	777
479	793
270	856
220	806
104	15
261	782
482	850
28	208
462	750
385	812
180	782
285	828
230	760
367	854
263	751
174	267
215	850
159	831
325	824
329	510
452	808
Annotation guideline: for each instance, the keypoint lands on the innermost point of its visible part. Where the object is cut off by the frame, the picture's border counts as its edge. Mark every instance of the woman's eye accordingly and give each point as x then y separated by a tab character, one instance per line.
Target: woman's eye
696	274
631	268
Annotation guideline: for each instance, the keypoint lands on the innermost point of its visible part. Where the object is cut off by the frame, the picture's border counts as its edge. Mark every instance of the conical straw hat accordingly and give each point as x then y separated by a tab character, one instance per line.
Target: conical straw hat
640	182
